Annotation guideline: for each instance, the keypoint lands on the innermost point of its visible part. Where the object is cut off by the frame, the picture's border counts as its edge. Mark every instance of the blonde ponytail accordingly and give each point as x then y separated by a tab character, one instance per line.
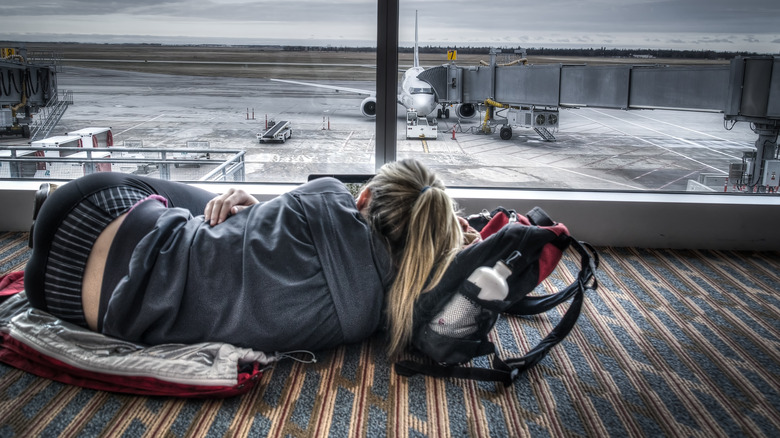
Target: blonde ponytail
411	211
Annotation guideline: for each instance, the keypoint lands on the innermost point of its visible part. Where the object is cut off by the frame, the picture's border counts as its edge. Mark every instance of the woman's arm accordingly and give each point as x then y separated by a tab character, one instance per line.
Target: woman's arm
227	204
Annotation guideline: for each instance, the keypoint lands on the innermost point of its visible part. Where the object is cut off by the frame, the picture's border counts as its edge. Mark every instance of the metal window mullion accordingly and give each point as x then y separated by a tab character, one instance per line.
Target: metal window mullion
386	81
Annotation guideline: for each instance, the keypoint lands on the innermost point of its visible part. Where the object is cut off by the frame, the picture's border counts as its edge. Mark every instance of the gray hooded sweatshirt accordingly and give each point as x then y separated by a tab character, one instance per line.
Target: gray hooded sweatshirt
302	271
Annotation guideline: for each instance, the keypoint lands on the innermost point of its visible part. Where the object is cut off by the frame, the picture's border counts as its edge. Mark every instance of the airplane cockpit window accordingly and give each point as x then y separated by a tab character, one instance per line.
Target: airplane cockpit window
421	90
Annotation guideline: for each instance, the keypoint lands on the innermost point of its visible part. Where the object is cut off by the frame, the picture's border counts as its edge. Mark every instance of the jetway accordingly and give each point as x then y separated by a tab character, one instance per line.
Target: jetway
27	85
747	90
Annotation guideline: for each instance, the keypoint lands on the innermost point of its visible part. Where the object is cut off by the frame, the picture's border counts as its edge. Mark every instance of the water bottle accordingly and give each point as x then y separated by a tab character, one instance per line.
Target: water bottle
491	281
459	317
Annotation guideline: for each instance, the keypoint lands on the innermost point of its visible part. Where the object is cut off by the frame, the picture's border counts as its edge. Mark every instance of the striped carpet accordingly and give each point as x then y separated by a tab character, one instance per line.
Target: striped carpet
674	343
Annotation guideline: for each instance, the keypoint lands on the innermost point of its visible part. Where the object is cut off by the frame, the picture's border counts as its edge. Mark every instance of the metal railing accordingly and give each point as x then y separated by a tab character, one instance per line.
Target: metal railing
233	166
48	116
46	57
18	162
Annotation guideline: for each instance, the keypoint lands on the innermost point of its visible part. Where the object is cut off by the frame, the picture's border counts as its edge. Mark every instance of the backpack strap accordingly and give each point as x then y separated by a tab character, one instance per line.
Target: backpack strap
501	371
532	305
585	281
506	371
539	217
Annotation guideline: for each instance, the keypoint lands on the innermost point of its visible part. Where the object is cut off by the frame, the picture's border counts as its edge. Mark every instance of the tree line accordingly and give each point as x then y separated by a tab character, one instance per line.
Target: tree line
601	52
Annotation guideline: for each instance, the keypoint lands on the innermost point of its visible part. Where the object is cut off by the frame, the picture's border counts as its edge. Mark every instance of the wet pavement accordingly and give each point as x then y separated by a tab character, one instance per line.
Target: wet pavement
594	148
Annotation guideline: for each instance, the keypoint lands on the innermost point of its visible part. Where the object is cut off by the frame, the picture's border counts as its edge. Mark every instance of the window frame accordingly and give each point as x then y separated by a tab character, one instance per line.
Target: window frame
603	218
386	81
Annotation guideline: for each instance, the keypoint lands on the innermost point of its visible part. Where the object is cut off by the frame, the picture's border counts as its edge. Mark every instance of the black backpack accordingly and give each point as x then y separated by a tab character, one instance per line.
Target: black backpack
532	246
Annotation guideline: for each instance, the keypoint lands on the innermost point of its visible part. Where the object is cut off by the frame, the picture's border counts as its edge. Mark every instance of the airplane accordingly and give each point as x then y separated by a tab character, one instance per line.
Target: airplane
415	93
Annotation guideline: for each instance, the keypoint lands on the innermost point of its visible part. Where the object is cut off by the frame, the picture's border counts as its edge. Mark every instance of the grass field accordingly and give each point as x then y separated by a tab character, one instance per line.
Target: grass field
267	62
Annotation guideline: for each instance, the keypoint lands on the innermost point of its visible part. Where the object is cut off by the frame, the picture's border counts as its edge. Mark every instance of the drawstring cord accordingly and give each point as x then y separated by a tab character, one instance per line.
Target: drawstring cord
289	355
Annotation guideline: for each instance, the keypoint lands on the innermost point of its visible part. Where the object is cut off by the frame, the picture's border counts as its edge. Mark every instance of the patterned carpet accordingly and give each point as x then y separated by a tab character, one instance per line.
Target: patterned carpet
674	343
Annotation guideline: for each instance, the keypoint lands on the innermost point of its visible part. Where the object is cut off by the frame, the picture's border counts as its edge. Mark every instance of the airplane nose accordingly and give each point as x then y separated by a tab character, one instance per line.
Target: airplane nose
424	103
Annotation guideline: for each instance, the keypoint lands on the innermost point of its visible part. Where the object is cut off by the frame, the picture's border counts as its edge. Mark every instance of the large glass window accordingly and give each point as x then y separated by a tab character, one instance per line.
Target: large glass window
286	89
583	95
565	96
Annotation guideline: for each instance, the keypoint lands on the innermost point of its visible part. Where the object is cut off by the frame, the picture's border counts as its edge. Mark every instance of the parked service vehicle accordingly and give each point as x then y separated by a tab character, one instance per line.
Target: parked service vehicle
278	131
420	127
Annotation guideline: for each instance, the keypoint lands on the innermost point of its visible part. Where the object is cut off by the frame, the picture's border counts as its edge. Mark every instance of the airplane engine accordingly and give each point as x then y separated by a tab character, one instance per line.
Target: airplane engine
368	106
466	110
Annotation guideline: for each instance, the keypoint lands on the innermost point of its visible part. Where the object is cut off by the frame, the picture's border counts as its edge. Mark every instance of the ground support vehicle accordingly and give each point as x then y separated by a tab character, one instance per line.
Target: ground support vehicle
279	131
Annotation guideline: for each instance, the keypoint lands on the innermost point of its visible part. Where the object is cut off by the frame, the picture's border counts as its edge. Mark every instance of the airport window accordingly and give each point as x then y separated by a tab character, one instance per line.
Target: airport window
485	97
268	99
542	104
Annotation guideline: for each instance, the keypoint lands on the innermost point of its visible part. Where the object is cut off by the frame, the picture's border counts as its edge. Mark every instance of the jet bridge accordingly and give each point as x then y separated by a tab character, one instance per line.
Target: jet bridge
747	90
28	87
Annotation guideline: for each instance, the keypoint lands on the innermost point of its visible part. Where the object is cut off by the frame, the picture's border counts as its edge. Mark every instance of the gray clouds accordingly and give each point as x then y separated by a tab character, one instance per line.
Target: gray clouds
757	16
727	24
215	10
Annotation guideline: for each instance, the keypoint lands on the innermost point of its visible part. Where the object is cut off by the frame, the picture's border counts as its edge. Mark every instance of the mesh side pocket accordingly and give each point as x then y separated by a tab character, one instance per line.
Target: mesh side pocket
458	319
459	331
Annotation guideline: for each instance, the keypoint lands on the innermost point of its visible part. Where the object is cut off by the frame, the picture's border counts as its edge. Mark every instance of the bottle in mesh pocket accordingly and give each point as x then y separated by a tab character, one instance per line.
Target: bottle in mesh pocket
458	319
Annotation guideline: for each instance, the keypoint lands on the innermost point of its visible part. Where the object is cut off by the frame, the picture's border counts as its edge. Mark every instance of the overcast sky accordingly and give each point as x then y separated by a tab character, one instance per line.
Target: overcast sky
749	25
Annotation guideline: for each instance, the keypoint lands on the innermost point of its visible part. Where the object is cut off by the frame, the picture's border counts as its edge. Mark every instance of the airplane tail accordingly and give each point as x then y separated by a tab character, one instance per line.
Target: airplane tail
416	51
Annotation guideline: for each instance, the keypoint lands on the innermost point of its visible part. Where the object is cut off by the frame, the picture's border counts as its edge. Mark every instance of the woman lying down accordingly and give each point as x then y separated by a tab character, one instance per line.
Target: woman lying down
153	261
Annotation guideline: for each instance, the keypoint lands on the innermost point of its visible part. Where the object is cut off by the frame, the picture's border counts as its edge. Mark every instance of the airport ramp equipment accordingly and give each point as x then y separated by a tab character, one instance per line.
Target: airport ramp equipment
49	115
279	131
746	90
545	134
29	86
419	127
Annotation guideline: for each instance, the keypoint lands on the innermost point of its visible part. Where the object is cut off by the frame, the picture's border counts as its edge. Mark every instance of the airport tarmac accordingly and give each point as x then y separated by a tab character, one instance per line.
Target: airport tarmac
594	148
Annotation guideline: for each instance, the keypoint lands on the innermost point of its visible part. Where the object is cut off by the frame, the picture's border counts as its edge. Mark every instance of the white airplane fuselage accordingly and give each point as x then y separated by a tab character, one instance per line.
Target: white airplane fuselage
415	93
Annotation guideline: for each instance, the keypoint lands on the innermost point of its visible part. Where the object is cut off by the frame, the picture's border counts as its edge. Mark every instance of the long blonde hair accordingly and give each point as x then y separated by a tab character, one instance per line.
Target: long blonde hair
410	209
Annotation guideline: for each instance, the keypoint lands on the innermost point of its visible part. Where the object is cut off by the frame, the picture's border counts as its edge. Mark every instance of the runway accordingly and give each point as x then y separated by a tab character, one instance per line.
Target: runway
109	62
595	149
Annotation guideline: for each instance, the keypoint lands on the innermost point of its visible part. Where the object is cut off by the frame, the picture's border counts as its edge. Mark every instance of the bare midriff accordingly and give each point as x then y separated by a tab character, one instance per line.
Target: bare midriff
93	272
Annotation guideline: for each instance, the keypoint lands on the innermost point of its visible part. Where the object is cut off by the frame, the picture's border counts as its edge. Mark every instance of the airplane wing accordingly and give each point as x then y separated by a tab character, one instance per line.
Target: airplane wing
331	87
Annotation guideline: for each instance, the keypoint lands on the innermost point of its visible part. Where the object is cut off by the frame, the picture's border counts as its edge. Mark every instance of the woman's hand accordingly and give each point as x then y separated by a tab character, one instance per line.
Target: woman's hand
470	235
227	204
